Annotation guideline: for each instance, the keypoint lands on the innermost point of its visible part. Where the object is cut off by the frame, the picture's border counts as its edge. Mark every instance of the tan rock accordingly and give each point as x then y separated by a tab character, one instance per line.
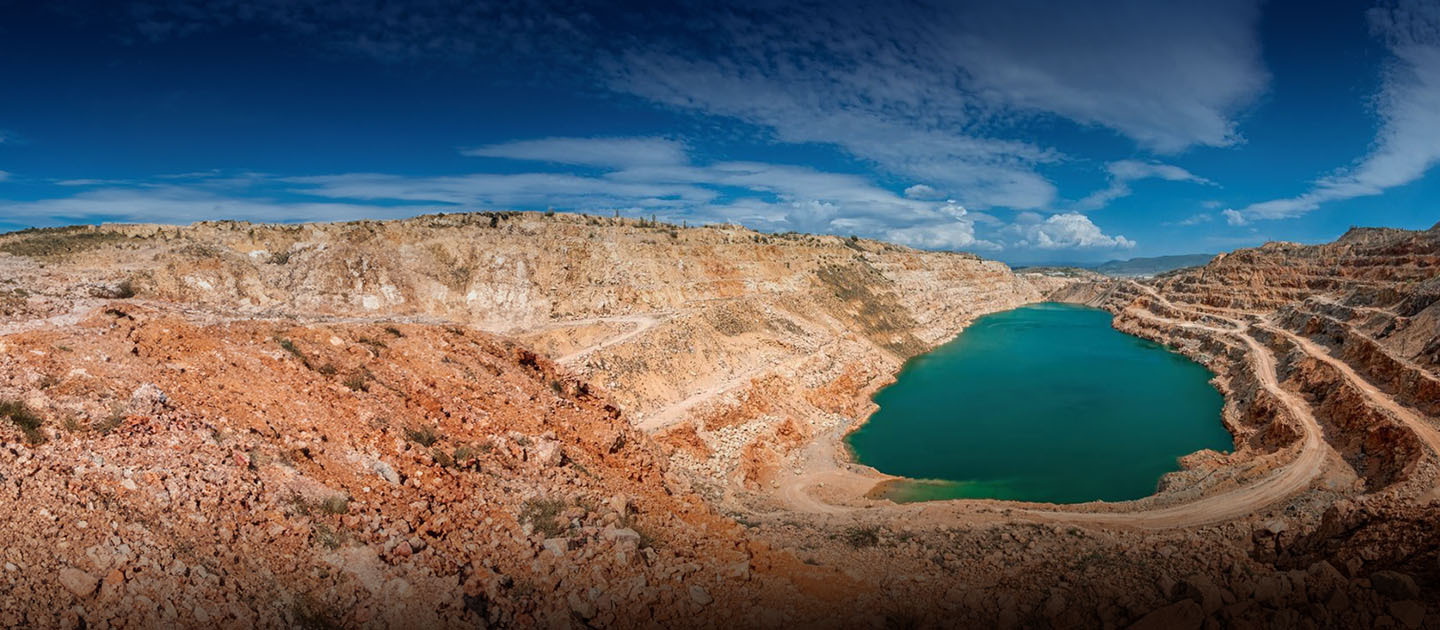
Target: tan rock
78	582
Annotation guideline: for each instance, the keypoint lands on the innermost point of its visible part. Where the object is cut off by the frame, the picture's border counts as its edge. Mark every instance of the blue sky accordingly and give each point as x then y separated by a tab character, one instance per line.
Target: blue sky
1026	131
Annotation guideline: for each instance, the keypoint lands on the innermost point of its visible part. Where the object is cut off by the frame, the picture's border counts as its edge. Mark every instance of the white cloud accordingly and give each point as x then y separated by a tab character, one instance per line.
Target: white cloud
1070	230
503	190
924	91
761	195
921	191
1196	219
602	152
773	197
953	235
1408	142
1233	217
801	108
1123	172
1167	74
937	93
184	205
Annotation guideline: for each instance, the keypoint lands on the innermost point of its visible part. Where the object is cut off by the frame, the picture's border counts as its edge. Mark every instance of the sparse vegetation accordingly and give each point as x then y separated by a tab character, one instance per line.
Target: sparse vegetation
867	296
424	436
335	504
860	537
326	536
375	344
328	369
289	346
309	614
58	242
394	332
111	422
441	457
544	516
358	382
23	418
466	453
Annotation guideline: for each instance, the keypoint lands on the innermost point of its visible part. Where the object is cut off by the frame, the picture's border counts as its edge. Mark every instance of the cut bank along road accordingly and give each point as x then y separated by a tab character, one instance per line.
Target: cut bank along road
1414	420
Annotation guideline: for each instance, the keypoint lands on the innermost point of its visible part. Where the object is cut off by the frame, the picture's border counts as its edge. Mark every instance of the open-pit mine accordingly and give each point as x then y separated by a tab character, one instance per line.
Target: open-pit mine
525	419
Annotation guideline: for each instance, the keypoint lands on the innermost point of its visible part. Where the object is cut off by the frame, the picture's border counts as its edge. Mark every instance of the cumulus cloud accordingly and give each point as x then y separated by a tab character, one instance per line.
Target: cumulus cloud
1070	230
1408	105
1123	172
921	191
602	152
953	235
1233	217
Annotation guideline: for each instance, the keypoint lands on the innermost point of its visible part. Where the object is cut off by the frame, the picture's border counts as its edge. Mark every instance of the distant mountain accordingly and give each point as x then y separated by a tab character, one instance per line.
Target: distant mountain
1151	266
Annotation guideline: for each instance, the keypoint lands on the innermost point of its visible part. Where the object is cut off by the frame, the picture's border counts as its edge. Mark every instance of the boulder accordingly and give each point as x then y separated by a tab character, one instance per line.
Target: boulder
1394	585
78	582
547	452
699	596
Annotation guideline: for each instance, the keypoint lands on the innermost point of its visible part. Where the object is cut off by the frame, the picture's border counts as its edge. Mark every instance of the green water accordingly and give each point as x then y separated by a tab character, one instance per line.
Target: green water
1042	403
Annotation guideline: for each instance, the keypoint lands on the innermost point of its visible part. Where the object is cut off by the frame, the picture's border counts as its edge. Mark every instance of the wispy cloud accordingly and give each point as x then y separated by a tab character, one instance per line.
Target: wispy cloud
1169	75
1408	105
170	204
774	197
602	152
928	92
938	94
1195	219
1123	172
503	190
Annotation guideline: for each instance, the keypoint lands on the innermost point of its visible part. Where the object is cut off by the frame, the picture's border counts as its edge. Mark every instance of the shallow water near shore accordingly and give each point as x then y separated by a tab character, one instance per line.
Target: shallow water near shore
1043	403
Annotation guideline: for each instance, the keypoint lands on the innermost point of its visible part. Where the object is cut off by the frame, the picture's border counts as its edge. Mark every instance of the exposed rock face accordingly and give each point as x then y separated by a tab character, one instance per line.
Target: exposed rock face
266	490
318	424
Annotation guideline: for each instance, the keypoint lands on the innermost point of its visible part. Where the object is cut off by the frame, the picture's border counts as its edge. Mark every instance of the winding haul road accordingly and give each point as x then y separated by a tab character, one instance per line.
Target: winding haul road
821	461
643	322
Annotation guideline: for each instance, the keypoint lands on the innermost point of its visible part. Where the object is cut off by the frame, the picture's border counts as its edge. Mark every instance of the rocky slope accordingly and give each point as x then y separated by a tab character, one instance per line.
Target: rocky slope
519	419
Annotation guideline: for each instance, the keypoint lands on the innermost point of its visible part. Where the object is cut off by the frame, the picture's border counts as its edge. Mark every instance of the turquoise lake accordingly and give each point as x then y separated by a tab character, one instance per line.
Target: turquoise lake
1044	403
